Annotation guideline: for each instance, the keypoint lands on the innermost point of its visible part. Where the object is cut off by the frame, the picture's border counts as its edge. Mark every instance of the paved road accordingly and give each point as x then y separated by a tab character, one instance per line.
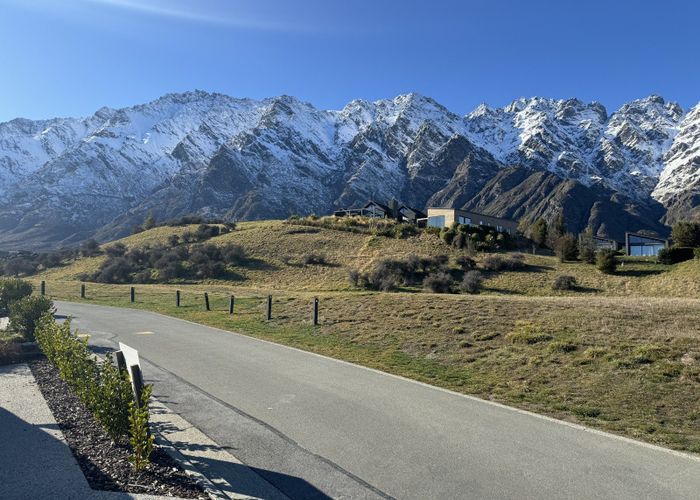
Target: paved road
318	427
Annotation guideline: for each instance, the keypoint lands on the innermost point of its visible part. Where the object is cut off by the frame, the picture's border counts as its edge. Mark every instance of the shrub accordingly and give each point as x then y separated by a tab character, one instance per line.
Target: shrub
440	282
465	263
696	253
90	248
112	399
116	250
19	266
686	234
173	240
471	282
354	277
566	247
605	261
674	255
503	263
564	282
587	249
313	259
26	312
141	439
12	290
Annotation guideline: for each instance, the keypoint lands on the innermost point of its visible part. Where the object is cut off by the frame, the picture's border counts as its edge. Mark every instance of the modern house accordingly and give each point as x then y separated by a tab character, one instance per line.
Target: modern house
641	245
410	214
603	243
445	217
371	209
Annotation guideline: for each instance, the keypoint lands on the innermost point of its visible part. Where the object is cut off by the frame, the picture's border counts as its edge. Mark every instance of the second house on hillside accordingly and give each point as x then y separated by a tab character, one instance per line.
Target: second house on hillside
445	217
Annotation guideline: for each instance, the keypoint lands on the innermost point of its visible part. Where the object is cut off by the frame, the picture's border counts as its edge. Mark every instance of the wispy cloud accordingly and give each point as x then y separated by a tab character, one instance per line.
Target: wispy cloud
221	13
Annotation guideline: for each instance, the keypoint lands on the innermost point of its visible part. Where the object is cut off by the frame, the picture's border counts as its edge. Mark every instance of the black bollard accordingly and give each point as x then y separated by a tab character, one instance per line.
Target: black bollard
82	291
121	361
269	307
177	298
43	288
231	303
137	381
206	301
315	314
133	295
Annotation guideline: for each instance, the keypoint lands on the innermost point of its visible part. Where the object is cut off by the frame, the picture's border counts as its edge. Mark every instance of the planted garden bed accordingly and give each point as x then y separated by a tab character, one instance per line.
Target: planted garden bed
105	462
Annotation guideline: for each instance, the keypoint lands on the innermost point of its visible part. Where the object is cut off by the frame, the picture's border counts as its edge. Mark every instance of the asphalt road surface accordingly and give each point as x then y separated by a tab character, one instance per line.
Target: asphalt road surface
317	428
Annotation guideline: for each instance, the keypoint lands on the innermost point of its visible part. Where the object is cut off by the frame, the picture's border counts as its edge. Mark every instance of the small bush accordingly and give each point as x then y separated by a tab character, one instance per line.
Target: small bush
605	261
471	282
314	259
674	255
354	277
696	253
141	439
116	250
465	263
90	248
564	282
113	396
26	312
440	282
498	263
12	290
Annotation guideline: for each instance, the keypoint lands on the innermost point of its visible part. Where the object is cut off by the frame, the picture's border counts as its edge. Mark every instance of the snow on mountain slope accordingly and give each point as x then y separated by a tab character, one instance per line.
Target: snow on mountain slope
578	141
243	158
682	159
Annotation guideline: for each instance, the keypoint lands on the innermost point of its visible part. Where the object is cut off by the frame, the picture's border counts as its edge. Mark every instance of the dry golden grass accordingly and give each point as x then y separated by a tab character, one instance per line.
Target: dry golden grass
621	354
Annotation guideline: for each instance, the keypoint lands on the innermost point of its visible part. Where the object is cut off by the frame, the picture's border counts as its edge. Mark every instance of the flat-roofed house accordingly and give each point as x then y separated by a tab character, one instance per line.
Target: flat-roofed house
641	245
445	217
602	243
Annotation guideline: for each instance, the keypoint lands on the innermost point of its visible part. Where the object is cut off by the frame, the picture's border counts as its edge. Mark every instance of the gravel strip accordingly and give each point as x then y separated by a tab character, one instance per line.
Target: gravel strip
104	462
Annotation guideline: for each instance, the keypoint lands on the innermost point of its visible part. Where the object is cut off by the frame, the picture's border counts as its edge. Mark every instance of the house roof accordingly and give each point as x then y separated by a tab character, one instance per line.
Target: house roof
380	205
418	213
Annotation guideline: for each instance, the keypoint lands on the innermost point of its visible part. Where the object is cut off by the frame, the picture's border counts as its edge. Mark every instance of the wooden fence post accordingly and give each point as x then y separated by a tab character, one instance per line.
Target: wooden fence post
315	313
82	291
43	288
177	298
206	301
133	294
231	303
269	307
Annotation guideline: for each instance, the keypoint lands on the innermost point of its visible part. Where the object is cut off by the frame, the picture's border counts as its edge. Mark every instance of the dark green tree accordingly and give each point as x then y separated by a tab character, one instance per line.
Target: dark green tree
539	232
686	234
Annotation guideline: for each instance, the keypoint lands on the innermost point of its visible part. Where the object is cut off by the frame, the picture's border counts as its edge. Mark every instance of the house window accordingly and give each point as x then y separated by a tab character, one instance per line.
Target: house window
436	221
464	220
499	229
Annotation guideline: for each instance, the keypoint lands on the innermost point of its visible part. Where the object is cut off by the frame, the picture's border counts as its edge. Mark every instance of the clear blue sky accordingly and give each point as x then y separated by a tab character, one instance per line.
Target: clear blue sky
70	57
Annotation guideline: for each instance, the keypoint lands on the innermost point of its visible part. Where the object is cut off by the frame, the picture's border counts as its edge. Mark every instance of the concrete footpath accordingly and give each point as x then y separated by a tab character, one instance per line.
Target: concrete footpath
36	462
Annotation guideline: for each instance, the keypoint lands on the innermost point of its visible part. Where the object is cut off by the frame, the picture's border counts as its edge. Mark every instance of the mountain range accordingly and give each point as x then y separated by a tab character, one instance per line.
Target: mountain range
64	180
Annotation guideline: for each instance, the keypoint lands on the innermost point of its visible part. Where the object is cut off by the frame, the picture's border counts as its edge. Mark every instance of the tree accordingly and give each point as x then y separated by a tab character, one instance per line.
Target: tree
686	234
149	222
566	247
605	261
559	225
587	248
539	232
394	208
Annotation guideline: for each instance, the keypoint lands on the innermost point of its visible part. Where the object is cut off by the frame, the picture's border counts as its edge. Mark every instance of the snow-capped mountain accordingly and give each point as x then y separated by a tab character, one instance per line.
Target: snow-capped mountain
63	180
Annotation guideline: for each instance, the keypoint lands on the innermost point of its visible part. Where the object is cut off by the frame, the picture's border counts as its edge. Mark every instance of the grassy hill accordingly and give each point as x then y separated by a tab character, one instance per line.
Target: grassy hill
621	353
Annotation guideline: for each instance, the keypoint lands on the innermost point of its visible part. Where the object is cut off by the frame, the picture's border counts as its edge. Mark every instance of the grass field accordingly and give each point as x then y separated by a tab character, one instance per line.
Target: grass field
621	354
